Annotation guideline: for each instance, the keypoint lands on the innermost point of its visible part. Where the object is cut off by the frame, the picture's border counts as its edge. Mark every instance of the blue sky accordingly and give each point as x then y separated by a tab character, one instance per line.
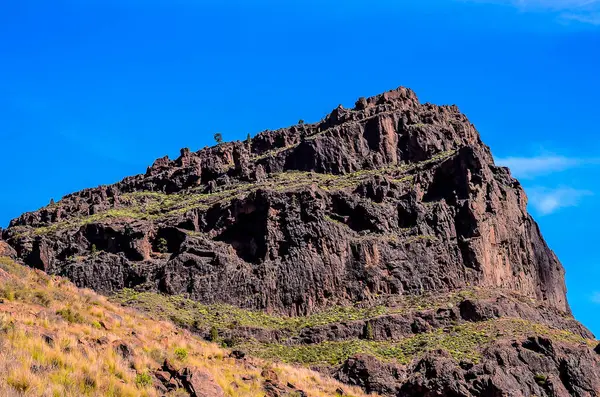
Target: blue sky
92	91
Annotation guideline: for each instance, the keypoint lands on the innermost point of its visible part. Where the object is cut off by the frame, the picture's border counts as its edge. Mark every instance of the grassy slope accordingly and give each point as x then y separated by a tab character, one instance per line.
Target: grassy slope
76	364
464	341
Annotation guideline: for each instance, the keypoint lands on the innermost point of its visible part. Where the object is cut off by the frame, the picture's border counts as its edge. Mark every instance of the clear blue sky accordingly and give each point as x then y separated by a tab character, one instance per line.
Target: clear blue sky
92	91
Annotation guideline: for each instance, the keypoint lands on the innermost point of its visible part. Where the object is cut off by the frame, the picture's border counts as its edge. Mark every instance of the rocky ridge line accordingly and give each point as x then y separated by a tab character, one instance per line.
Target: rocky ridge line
425	210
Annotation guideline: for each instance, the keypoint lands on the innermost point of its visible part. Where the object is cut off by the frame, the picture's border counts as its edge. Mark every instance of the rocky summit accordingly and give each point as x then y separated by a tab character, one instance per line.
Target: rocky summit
381	245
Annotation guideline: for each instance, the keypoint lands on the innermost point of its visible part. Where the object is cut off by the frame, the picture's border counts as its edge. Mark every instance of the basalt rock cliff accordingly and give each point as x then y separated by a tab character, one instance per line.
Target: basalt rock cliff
392	198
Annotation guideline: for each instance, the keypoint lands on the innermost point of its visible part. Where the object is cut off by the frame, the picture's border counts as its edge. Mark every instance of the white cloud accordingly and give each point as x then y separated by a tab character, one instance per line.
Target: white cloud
551	4
580	11
590	18
547	201
596	297
530	167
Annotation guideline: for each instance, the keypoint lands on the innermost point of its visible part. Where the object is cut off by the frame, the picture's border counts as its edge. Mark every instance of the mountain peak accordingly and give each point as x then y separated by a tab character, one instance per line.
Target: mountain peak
382	226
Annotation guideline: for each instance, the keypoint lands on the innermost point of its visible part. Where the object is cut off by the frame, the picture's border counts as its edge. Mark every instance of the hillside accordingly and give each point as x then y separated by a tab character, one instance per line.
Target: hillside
380	246
58	340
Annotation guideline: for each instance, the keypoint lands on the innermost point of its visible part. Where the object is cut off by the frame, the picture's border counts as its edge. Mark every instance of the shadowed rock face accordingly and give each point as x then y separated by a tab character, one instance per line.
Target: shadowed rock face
391	197
532	367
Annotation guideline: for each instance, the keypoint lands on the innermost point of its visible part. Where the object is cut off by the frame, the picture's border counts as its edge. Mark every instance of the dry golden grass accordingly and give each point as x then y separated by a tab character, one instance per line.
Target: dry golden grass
81	361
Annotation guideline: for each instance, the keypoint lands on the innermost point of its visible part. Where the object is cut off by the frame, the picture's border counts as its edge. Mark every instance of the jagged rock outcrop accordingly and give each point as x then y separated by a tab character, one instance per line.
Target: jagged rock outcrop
195	382
391	197
7	250
532	367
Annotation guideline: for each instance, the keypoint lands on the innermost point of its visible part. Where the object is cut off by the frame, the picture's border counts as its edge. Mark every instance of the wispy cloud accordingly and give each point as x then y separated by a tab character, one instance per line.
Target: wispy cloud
596	298
590	18
580	11
531	167
547	201
559	5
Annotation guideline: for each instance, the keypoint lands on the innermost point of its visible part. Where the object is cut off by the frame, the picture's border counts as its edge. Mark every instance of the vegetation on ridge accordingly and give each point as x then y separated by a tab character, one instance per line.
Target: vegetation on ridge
155	205
464	341
190	313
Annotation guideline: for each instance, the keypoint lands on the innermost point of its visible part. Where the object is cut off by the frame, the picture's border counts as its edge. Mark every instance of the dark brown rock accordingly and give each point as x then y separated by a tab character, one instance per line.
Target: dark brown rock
122	349
534	367
371	375
458	212
6	249
238	354
454	225
169	382
199	383
269	374
390	198
48	339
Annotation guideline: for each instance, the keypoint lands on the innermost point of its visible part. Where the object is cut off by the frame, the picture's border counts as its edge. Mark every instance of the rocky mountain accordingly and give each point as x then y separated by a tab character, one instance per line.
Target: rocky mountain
363	245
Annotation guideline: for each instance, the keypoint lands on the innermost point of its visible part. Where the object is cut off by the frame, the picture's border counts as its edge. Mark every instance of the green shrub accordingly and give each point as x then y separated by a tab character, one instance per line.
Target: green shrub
143	380
231	342
162	246
157	355
7	293
540	379
369	332
181	353
41	298
19	382
70	315
89	383
214	334
6	324
218	138
94	250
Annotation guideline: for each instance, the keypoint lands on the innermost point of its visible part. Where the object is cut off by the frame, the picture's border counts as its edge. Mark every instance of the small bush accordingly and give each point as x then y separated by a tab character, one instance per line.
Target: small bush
142	380
231	342
94	250
218	138
181	353
369	332
42	298
157	355
214	334
70	315
540	379
6	324
162	246
89	383
7	293
19	381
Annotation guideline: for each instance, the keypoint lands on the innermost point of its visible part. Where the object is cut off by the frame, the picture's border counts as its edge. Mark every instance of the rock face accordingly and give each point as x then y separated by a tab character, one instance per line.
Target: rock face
195	382
532	367
391	197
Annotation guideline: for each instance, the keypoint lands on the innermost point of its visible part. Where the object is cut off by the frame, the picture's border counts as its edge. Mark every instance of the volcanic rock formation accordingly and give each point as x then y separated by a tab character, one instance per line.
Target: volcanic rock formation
390	198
